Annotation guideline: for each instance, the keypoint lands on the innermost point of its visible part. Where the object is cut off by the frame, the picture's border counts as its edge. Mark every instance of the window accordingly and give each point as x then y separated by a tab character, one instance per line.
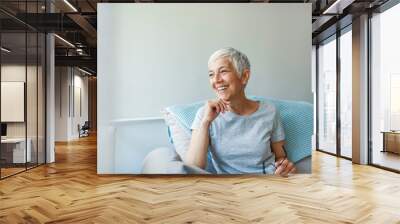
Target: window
346	93
327	96
385	89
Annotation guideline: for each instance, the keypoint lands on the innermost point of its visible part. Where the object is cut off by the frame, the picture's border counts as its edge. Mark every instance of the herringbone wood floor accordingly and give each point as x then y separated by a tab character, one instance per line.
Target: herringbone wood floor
70	191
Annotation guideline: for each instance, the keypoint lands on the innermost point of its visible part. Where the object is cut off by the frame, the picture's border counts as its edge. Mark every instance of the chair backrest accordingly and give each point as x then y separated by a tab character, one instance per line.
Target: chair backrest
296	116
86	125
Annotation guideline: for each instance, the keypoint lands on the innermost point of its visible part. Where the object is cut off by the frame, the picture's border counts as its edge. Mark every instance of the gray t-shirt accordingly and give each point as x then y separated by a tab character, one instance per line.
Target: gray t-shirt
242	143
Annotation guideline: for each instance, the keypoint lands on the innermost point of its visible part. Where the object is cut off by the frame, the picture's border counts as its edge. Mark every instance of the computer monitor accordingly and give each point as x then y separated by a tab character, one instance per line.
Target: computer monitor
3	129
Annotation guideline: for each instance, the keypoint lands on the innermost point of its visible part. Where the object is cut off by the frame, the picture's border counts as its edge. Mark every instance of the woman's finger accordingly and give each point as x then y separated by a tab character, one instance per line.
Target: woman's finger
214	107
225	101
223	105
283	167
287	169
278	163
227	104
284	164
218	108
278	171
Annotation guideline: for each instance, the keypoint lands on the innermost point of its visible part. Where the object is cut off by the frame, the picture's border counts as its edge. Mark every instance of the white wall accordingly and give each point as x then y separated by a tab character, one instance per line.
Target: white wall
154	55
67	84
61	103
12	73
80	115
33	126
18	73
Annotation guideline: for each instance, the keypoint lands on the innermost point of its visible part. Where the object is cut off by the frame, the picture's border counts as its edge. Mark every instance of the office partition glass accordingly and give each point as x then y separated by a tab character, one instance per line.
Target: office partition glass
14	153
385	89
327	95
22	61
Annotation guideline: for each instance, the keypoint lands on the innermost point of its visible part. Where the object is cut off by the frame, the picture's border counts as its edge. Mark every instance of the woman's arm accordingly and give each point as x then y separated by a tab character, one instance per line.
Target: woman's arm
277	149
282	164
197	152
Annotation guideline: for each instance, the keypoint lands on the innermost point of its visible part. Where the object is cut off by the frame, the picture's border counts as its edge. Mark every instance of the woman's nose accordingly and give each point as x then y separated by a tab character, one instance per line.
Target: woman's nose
217	77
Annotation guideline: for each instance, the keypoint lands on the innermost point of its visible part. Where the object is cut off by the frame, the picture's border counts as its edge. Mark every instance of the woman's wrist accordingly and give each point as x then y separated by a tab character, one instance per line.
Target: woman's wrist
280	158
205	123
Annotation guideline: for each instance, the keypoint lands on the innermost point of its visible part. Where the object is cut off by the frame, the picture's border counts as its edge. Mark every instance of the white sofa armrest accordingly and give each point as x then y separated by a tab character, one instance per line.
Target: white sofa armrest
134	139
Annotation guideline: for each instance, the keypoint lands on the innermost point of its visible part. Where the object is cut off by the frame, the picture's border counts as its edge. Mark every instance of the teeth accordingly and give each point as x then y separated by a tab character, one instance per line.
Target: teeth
222	88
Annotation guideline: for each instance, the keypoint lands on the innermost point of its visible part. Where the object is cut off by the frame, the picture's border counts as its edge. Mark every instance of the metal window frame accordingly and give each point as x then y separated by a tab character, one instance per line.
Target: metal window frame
389	4
334	37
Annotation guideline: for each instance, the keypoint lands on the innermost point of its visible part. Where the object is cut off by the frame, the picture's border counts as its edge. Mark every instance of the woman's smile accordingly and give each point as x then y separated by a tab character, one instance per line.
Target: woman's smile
222	89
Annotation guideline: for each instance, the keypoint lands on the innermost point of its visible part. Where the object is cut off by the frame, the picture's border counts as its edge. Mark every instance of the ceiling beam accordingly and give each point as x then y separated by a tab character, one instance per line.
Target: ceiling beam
337	7
84	61
85	25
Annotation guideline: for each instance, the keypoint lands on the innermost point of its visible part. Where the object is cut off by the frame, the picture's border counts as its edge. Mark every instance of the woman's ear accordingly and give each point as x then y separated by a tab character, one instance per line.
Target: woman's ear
245	76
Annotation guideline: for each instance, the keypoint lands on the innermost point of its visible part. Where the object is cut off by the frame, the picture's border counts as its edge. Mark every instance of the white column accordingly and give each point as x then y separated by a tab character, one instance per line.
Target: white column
314	92
50	100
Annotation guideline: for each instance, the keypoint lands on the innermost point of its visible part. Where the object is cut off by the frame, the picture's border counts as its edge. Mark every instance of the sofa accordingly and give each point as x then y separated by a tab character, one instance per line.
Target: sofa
151	145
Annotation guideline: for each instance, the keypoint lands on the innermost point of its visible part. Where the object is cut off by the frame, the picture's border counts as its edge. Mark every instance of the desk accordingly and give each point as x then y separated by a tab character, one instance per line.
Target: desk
15	148
391	141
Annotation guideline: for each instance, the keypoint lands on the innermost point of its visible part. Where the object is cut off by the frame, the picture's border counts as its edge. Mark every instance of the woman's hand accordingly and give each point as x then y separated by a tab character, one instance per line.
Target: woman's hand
284	167
213	108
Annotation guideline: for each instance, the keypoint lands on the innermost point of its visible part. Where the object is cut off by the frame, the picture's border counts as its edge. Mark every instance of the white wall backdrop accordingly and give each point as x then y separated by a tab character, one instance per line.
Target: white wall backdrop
71	102
154	55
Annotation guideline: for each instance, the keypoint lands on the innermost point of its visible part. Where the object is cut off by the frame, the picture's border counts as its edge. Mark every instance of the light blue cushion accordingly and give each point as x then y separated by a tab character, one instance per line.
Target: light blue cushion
297	120
185	113
296	116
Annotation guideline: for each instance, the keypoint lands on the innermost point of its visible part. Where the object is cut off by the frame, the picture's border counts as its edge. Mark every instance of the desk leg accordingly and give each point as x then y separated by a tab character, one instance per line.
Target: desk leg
384	142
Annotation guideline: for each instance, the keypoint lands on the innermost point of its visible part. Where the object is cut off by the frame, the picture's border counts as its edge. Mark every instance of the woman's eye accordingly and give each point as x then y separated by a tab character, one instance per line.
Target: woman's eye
210	75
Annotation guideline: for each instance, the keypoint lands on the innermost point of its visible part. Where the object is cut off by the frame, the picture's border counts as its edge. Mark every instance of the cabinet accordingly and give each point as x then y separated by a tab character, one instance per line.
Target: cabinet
391	141
13	150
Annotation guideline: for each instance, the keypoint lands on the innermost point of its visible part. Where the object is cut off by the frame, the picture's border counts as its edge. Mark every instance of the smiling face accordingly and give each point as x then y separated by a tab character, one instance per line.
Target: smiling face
225	80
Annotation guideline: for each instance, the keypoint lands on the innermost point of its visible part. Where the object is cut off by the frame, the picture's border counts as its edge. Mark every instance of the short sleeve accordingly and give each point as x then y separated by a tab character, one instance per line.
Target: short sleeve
278	133
198	118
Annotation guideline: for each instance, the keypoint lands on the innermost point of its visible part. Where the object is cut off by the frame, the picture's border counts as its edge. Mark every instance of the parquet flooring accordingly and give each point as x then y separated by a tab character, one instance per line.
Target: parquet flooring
70	191
10	171
387	159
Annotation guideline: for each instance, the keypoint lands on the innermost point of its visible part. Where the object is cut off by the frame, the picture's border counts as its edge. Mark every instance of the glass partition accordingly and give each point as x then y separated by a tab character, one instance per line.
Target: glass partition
385	89
22	77
13	94
327	96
